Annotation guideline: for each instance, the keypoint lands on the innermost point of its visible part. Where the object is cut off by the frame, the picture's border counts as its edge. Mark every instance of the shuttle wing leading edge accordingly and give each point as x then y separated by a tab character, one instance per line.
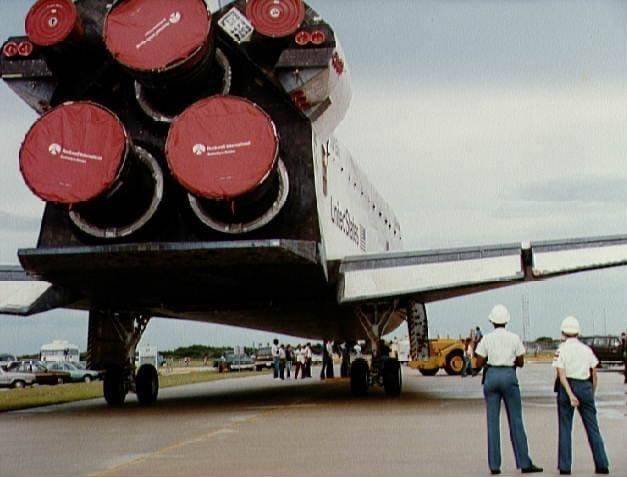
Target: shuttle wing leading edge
440	274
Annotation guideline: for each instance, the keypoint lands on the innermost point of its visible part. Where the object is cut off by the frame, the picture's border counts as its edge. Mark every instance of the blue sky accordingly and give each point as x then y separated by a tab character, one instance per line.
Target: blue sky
480	121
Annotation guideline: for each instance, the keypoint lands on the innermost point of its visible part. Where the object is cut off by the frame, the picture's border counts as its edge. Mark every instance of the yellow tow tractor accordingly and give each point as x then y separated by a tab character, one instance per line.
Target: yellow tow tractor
446	353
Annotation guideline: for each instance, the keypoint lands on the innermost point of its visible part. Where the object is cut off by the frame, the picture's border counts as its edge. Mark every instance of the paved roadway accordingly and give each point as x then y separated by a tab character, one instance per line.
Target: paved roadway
260	427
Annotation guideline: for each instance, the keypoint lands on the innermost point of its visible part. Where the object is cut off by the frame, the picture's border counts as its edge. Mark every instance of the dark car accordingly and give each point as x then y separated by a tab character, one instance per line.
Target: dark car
231	362
607	348
263	358
41	373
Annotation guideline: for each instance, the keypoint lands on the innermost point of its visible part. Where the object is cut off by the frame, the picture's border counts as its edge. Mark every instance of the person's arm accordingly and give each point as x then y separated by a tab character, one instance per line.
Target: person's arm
481	355
520	354
594	380
574	402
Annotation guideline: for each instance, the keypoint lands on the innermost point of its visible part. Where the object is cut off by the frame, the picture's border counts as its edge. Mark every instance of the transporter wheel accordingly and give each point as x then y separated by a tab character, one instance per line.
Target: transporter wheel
147	384
359	377
392	377
19	384
429	372
454	363
114	386
87	379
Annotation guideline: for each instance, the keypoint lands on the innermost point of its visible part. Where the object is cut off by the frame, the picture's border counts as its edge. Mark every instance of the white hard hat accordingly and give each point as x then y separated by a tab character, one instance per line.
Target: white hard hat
570	326
499	315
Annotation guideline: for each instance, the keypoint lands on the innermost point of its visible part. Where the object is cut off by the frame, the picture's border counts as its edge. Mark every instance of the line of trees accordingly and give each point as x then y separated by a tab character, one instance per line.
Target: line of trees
199	351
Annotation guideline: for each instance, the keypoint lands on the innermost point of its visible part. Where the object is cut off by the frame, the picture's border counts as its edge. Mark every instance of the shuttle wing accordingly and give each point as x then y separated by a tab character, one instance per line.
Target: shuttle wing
440	274
21	294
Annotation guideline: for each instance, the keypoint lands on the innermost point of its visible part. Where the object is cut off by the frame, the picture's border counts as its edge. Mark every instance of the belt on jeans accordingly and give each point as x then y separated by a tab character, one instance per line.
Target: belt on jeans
587	380
488	366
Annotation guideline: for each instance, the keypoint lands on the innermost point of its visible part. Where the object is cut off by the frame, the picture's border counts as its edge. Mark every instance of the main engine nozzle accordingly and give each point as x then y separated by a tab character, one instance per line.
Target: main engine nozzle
167	46
225	151
79	155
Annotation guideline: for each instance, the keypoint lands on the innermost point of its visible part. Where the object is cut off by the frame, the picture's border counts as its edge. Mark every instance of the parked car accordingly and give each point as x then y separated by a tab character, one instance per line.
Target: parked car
6	359
608	348
231	362
77	373
41	373
9	379
263	358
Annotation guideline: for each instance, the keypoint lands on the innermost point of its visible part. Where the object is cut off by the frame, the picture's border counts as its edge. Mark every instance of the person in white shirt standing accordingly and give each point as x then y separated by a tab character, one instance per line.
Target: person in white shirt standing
308	360
503	351
300	362
576	371
275	358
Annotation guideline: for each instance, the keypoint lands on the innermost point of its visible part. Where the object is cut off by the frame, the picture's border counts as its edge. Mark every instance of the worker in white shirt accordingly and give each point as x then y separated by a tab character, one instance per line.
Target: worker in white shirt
275	358
502	352
299	365
576	366
282	360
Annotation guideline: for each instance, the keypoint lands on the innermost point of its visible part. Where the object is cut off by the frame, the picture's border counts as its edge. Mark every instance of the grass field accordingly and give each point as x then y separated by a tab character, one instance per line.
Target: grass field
15	399
542	357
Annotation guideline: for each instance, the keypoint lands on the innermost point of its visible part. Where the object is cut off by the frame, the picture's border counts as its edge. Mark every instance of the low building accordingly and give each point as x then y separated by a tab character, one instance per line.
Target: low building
60	350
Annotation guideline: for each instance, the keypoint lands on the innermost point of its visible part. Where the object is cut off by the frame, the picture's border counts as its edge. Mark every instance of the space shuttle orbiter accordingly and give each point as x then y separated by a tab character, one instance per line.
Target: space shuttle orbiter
185	152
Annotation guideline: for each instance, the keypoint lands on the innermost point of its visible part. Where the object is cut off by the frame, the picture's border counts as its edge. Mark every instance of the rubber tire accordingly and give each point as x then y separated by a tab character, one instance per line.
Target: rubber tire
18	385
114	387
87	379
429	372
392	377
359	377
147	385
448	364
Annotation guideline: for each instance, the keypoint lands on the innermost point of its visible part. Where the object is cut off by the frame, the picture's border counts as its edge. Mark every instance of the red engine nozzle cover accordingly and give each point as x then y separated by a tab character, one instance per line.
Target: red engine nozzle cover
50	22
154	35
276	18
222	147
73	153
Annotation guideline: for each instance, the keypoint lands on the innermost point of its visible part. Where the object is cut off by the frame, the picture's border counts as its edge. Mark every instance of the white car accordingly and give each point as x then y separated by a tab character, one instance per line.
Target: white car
10	379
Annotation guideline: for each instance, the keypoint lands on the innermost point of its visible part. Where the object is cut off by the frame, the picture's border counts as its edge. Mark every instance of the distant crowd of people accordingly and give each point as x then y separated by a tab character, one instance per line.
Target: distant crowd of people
288	360
285	358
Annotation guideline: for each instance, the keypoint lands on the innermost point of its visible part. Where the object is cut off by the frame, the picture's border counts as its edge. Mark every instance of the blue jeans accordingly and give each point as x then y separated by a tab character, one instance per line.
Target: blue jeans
588	412
466	370
275	366
501	384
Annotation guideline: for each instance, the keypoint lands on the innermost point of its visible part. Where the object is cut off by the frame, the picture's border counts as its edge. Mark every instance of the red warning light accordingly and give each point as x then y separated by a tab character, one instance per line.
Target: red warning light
302	38
10	49
318	37
25	48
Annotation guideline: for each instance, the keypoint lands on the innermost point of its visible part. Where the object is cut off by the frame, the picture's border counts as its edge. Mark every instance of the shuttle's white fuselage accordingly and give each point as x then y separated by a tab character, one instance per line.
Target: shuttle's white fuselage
354	218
